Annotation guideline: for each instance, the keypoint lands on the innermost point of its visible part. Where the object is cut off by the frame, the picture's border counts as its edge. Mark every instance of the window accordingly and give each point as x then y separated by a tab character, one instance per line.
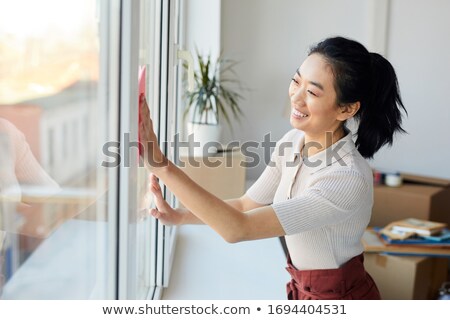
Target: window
54	210
73	225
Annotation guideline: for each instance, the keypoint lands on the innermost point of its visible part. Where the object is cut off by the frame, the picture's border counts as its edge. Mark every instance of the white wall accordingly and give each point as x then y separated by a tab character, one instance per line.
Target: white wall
201	23
202	26
271	38
419	48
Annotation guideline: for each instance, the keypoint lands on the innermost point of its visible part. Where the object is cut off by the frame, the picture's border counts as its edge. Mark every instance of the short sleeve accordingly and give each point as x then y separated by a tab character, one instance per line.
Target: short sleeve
263	190
332	198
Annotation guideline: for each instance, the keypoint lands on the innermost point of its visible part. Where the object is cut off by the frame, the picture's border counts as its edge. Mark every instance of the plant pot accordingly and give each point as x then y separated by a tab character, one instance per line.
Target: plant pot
205	136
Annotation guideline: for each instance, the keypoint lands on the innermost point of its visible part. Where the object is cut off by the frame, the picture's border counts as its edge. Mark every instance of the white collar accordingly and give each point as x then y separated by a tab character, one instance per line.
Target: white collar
324	158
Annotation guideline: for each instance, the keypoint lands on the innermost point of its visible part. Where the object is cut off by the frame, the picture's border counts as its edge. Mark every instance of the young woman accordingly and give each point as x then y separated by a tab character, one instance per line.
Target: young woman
319	192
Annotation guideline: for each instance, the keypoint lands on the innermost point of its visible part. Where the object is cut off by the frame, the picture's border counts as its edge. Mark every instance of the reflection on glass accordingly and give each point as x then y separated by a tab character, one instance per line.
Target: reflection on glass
52	220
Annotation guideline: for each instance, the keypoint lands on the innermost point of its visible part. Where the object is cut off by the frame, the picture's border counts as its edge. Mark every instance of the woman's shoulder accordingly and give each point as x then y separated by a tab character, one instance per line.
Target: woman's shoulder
289	144
6	126
8	129
292	135
352	166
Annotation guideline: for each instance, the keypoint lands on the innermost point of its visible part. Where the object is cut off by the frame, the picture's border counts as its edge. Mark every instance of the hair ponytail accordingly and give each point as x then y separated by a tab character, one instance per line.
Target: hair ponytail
381	117
370	79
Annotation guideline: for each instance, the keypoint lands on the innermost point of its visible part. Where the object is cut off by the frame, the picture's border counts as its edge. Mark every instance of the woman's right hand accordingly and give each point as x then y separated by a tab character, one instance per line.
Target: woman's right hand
163	211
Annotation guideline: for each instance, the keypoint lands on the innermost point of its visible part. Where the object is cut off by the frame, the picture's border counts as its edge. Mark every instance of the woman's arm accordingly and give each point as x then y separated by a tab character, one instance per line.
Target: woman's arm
232	224
169	216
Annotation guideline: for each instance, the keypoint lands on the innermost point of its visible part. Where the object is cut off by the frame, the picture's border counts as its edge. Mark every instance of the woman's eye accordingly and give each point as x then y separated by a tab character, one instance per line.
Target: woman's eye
315	95
293	79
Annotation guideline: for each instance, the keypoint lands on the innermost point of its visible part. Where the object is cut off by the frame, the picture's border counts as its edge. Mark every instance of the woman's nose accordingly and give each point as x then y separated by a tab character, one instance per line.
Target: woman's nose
298	96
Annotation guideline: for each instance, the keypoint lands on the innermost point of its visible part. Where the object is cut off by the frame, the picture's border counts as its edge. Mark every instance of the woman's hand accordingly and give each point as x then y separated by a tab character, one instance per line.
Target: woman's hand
149	149
163	212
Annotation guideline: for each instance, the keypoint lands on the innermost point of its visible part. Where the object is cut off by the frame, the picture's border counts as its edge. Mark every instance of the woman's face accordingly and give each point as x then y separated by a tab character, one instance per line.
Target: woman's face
313	98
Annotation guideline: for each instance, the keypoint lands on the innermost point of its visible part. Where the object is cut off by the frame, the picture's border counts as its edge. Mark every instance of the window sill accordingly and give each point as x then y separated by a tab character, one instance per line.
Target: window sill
206	267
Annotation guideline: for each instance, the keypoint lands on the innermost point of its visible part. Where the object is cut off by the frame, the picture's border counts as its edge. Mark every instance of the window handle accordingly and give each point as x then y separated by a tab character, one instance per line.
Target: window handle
187	56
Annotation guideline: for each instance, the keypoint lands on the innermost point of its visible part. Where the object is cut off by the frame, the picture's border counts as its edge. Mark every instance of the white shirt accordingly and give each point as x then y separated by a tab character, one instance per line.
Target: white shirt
323	202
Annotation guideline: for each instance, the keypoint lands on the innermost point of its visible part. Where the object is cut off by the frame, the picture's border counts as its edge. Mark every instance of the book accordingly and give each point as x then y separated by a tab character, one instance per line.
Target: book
421	227
395	234
415	241
372	243
444	236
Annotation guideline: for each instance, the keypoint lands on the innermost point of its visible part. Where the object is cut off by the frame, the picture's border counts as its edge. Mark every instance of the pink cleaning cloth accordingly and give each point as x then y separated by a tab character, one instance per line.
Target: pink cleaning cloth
142	76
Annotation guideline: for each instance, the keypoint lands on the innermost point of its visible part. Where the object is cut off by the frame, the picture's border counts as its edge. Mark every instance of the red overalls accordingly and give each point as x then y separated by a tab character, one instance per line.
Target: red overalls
349	282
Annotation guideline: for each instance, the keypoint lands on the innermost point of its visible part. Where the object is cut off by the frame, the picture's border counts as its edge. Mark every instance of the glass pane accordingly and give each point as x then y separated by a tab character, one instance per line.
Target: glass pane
174	122
53	209
145	233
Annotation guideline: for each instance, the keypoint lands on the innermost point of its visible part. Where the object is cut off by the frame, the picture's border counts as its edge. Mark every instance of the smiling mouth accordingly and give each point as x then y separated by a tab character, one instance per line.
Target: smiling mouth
298	114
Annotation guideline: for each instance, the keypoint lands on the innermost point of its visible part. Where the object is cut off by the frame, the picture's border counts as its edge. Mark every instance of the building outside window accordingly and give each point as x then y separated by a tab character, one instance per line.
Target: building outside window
72	227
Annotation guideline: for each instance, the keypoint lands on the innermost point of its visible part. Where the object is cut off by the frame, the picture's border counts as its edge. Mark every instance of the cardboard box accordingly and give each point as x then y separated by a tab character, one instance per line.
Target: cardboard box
222	174
406	278
418	197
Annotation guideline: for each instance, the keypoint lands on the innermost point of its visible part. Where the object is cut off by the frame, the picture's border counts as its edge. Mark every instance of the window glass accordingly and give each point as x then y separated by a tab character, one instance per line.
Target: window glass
55	229
146	235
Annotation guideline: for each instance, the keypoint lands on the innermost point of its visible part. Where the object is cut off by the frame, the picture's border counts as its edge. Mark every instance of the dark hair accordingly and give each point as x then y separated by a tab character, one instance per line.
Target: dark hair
370	79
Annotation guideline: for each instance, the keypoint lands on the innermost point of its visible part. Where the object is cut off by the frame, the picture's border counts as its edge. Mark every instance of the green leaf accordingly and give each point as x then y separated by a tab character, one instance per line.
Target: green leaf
210	94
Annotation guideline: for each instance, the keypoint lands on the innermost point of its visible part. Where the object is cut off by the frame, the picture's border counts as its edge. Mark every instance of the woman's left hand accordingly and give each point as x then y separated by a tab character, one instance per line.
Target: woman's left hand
149	149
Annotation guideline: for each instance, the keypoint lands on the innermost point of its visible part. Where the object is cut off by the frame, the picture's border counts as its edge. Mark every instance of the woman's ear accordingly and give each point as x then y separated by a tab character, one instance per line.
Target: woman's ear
348	110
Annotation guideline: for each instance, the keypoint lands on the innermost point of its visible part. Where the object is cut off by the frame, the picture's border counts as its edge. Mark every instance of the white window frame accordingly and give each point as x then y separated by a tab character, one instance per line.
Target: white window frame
109	11
164	118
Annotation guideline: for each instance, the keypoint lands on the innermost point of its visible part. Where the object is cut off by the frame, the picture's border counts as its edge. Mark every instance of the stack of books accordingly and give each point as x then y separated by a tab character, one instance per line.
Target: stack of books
409	237
407	228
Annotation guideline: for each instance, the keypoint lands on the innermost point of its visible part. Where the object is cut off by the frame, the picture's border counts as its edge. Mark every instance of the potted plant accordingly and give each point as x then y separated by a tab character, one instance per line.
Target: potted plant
212	100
